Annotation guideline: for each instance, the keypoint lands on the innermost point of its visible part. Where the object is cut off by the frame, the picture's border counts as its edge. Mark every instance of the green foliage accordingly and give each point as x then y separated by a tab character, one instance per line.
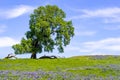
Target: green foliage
48	30
23	47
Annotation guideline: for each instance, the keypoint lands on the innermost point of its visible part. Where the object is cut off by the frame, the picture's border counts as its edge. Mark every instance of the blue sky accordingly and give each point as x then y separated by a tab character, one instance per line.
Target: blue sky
96	22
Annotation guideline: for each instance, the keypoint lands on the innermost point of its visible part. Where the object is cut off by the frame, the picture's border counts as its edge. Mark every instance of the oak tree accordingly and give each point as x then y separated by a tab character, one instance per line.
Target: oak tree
48	30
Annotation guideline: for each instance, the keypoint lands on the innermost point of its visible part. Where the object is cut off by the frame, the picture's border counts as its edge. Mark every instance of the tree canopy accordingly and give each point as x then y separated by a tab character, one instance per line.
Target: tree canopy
47	30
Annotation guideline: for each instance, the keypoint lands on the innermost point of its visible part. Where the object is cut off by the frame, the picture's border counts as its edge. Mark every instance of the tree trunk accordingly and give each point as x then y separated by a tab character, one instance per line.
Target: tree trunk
33	56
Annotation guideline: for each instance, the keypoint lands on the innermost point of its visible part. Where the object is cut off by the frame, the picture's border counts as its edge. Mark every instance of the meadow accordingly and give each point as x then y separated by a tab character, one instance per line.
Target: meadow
74	68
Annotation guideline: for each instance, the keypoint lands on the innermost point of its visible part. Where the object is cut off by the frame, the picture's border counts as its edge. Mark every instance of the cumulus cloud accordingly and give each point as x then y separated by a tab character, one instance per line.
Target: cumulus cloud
7	41
16	11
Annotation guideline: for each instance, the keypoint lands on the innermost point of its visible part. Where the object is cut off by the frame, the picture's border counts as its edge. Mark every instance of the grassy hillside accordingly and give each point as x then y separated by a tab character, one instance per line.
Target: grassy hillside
80	67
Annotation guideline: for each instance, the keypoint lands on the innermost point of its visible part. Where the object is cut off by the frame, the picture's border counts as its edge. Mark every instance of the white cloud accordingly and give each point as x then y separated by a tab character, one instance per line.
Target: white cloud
113	47
111	44
7	41
100	47
106	12
109	15
16	12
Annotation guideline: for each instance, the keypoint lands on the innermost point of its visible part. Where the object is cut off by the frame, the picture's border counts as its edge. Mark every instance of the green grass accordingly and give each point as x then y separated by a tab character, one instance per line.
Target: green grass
82	65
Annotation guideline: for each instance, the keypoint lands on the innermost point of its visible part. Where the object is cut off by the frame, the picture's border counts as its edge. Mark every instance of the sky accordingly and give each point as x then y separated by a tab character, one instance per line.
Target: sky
96	23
